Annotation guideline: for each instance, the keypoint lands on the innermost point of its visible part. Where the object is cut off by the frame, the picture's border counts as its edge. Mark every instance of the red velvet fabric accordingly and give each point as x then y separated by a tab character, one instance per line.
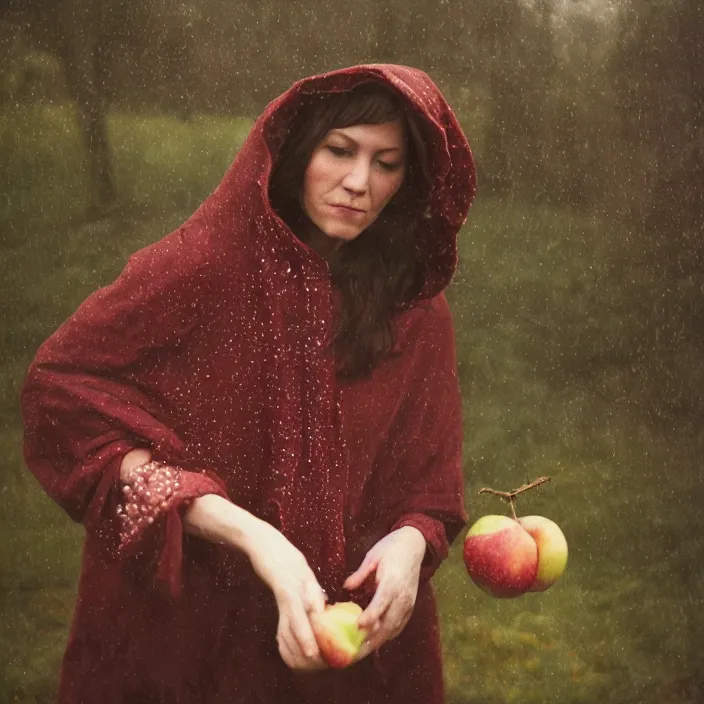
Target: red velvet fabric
211	349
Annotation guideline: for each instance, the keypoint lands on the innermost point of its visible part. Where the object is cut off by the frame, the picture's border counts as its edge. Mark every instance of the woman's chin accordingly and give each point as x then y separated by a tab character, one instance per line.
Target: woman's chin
334	229
331	239
342	236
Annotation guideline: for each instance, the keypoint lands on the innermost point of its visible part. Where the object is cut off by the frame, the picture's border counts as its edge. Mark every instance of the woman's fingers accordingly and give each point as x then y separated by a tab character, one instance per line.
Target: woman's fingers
357	578
284	569
284	638
396	618
288	645
378	637
389	626
315	597
293	653
388	615
298	620
377	607
298	596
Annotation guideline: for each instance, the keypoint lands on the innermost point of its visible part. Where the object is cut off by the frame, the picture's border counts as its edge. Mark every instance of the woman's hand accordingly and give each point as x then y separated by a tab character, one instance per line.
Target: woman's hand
397	560
284	569
280	565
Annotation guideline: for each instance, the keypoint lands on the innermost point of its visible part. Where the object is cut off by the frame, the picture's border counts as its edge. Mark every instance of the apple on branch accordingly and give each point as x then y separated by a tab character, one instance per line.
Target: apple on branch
337	633
501	556
507	557
552	550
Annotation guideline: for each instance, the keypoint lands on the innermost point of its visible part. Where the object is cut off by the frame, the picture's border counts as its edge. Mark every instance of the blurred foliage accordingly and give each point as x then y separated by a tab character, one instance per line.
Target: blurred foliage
548	304
596	104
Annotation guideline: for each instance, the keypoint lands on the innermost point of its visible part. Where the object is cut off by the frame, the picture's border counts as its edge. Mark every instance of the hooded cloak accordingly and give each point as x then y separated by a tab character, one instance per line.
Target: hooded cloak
212	349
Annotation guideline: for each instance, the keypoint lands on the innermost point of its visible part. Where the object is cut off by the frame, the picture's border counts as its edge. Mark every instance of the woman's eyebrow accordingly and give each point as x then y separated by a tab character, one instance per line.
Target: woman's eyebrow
338	133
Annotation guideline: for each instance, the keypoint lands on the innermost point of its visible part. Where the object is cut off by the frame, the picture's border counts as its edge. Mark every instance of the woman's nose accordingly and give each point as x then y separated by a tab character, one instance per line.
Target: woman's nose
357	178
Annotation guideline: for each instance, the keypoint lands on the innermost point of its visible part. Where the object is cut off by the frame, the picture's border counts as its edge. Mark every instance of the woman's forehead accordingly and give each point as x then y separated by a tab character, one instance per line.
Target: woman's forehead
385	136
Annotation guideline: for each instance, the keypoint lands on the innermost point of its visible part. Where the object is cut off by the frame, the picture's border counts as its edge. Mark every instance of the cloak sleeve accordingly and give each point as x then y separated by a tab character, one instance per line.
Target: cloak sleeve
85	403
426	487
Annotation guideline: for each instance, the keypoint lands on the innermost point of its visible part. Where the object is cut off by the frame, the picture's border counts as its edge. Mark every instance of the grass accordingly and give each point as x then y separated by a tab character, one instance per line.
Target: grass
560	328
553	310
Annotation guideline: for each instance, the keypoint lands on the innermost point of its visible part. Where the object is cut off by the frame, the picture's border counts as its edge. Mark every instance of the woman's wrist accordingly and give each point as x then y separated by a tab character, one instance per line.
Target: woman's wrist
210	517
218	520
132	460
416	540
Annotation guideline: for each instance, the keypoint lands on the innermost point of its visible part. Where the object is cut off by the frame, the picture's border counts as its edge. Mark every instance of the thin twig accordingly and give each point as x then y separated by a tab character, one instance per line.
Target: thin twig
511	495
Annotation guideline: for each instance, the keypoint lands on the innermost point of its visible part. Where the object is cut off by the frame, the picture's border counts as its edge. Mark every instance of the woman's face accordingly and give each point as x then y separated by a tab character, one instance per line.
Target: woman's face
351	176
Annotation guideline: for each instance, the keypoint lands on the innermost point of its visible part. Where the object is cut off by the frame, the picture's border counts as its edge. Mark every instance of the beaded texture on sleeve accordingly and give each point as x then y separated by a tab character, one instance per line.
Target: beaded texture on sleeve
150	491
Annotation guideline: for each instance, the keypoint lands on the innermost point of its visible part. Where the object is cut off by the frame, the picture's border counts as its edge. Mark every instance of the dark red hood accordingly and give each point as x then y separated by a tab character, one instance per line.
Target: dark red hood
450	160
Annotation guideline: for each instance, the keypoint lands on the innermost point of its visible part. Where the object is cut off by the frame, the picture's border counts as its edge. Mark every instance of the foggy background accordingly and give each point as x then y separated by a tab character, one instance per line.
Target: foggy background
578	303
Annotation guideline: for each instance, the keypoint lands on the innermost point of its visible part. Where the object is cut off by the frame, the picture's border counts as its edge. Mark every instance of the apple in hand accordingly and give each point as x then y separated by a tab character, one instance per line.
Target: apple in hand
501	556
338	635
552	550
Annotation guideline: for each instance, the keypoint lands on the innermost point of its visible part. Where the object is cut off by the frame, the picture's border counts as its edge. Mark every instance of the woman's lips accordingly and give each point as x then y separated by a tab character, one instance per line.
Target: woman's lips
347	211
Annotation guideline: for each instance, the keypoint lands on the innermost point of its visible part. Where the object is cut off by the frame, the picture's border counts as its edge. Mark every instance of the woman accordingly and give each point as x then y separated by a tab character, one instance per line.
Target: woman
262	413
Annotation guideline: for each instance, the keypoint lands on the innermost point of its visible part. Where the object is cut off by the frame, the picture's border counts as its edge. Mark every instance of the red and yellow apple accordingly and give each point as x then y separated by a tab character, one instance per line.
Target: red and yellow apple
500	555
337	633
506	557
552	550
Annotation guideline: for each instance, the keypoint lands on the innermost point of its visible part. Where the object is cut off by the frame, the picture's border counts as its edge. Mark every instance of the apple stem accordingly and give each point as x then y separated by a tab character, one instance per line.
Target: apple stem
511	495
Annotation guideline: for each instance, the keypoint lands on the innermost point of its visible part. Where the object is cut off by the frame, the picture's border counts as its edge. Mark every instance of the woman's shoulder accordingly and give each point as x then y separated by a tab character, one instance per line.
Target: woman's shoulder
428	324
187	248
427	313
191	258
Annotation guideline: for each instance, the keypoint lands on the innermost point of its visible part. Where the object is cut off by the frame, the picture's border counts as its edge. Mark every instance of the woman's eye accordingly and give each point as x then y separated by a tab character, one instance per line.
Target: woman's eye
386	166
338	151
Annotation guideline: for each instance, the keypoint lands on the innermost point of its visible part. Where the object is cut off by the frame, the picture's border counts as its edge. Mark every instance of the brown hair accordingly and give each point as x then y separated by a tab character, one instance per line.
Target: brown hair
377	272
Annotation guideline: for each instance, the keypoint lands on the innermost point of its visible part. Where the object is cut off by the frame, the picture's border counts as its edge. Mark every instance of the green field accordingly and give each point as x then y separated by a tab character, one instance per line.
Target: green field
558	320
